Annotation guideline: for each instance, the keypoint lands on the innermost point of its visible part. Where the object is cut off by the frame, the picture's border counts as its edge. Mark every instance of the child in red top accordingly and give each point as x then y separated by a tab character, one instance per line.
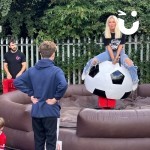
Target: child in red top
2	135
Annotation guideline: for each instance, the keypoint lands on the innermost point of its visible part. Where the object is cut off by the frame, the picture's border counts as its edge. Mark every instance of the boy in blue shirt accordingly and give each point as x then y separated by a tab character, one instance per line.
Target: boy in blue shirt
45	83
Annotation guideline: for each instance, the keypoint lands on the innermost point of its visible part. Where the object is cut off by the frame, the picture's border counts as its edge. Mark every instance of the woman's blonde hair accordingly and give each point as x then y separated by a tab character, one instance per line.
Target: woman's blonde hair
107	29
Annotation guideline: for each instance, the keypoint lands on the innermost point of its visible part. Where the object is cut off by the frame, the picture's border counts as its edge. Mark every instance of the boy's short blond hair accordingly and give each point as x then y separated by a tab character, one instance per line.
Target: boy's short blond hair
2	122
47	48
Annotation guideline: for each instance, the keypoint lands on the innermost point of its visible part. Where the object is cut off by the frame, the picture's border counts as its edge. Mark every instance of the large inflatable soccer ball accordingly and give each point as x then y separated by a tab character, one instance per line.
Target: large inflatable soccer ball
109	80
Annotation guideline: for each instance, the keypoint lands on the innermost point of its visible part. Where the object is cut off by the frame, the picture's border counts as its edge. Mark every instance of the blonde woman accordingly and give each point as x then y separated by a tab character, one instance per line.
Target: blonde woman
113	42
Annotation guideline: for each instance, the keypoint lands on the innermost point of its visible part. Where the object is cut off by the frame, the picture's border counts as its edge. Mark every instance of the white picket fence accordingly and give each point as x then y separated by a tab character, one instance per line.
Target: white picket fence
68	48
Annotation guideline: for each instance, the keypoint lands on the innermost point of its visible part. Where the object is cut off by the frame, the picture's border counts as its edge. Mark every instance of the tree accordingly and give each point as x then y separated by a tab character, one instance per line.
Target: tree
24	17
70	18
5	7
82	18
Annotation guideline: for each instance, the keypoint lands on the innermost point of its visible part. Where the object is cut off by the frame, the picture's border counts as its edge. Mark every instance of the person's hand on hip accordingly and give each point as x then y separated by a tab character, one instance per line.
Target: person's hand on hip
51	101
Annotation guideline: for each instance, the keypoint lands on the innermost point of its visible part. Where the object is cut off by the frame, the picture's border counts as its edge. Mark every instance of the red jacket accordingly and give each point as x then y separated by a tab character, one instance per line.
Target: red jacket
2	141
